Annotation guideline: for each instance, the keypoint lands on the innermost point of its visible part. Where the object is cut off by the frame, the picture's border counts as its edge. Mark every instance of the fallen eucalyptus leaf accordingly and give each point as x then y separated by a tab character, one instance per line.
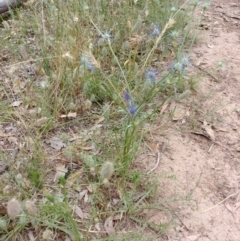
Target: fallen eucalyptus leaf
108	225
209	131
40	121
61	171
78	211
56	143
16	103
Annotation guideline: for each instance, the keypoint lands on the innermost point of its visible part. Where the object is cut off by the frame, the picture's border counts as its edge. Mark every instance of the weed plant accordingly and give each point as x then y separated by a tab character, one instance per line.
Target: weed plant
113	64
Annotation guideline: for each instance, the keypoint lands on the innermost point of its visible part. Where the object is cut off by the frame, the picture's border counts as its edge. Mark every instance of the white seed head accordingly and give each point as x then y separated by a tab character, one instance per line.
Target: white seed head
31	207
92	171
87	105
75	19
170	23
7	189
13	208
47	235
106	183
107	170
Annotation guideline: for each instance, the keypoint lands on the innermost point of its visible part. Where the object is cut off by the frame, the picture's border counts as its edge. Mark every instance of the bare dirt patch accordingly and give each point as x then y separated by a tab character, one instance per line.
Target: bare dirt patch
206	159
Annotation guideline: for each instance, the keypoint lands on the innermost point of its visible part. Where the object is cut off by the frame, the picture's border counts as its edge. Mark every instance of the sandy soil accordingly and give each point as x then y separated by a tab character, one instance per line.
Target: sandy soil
205	160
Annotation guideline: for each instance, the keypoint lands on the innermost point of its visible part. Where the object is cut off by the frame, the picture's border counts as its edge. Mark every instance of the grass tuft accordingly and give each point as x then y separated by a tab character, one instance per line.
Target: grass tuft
81	80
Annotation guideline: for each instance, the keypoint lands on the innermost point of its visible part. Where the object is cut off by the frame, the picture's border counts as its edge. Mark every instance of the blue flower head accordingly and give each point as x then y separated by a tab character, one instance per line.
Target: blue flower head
126	96
106	36
182	64
185	60
132	109
155	32
174	34
87	63
151	75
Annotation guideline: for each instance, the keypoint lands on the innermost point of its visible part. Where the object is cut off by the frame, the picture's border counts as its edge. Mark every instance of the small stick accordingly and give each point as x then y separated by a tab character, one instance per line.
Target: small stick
206	72
210	148
157	163
209	209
